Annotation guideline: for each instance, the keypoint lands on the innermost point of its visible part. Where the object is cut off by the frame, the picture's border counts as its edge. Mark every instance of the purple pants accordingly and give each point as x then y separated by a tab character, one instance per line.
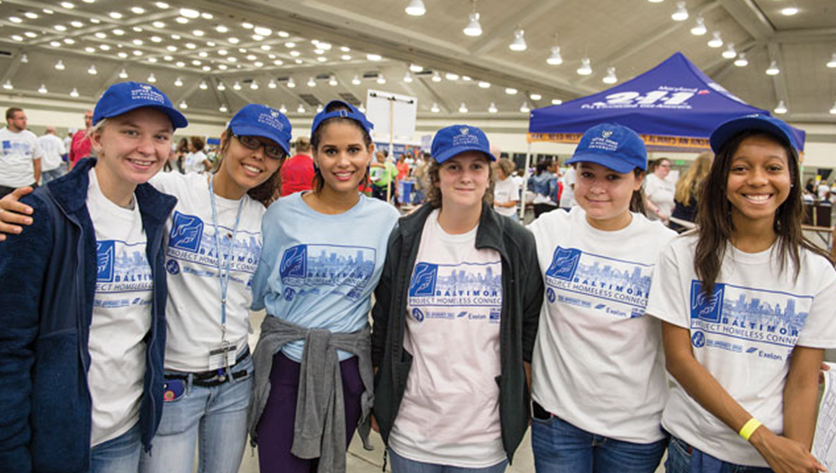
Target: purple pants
275	429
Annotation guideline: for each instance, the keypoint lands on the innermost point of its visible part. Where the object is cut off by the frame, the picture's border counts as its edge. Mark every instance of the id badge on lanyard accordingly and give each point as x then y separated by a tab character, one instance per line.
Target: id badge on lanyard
224	355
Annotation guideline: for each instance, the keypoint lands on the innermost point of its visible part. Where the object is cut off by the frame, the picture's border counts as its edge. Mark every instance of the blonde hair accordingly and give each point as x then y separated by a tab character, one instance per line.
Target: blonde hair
689	184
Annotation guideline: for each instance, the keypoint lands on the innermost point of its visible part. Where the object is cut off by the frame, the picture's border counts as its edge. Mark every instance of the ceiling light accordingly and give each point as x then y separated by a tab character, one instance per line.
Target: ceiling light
300	108
283	34
462	108
518	44
832	63
31	34
221	86
137	52
117	32
773	70
115	15
156	39
789	11
322	59
122	54
333	81
254	85
291	83
138	42
484	84
266	47
473	27
511	91
67	5
184	105
222	108
178	82
557	102
151	78
60	28
319	108
15	19
345	57
466	78
198	32
524	108
374	57
8	85
60	65
311	82
30	15
433	109
48	11
832	110
380	79
611	77
203	85
92	70
158	24
586	67
407	77
741	60
492	108
162	5
356	80
415	8
555	59
781	108
716	41
272	84
247	26
90	49
451	76
283	109
415	68
42	89
263	31
699	29
123	74
681	13
436	77
189	13
138	10
236	85
55	44
535	97
181	20
730	53
655	1
74	92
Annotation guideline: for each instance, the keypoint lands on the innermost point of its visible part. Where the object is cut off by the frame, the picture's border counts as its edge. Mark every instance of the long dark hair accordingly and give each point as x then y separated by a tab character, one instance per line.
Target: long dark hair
267	191
637	199
316	139
714	216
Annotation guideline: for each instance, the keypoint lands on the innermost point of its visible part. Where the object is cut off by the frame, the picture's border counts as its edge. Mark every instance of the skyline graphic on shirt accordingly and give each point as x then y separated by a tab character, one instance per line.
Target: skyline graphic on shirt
751	314
465	284
190	239
328	265
123	275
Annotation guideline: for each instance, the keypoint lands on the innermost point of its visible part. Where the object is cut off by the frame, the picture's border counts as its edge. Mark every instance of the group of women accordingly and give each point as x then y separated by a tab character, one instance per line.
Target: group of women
480	325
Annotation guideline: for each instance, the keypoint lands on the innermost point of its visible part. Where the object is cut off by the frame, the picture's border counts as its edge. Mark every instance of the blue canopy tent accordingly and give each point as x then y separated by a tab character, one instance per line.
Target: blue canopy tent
674	106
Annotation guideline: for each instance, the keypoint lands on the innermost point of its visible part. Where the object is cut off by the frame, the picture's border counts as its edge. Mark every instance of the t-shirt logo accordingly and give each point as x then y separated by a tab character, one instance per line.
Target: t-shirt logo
705	307
294	262
423	280
104	261
564	263
186	232
349	268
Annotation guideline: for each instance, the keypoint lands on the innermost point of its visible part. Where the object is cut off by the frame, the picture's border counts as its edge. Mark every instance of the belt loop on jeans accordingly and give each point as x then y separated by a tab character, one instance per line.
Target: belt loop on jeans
189	381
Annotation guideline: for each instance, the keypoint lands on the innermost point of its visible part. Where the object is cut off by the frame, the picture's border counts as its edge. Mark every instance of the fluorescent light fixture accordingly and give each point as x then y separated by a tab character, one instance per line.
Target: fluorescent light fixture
741	60
789	11
681	13
60	65
611	77
832	63
484	84
311	82
436	77
42	89
781	108
407	77
433	109
586	67
492	108
356	80
236	85
123	74
473	27
462	108
415	68
518	44
557	102
524	108
178	82
716	41
773	70
699	29
333	81
222	108
415	8
151	79
272	84
511	91
74	93
555	59
730	53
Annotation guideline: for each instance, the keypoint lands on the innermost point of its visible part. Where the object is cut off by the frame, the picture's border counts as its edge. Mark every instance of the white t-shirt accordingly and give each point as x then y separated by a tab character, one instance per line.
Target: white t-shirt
743	335
121	315
598	361
51	149
194	162
567	197
822	190
17	153
450	410
660	192
506	191
193	309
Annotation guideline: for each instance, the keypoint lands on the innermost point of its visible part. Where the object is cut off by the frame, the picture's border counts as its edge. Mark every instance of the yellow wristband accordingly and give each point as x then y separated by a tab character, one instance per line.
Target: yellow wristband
749	428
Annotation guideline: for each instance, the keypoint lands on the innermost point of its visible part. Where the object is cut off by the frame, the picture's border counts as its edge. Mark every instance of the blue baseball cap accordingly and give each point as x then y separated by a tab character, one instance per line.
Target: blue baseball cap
765	123
613	146
456	139
126	96
351	113
260	120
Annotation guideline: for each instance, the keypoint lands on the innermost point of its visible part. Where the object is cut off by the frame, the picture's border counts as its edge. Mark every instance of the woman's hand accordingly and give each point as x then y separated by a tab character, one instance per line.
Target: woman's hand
375	427
784	455
13	213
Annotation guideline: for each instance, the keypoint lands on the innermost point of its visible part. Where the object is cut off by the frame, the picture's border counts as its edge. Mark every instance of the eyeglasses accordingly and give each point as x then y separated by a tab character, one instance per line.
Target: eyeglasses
253	143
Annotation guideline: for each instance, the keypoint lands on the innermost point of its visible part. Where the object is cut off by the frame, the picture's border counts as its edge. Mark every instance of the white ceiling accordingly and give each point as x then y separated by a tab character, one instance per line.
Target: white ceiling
630	35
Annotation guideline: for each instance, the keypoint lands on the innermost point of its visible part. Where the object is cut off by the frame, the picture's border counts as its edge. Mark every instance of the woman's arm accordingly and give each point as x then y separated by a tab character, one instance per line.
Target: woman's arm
783	454
800	394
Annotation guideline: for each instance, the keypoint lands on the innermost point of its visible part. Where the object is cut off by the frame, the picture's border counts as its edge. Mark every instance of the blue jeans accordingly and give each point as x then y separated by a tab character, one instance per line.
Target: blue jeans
216	416
47	176
404	465
679	461
119	455
560	447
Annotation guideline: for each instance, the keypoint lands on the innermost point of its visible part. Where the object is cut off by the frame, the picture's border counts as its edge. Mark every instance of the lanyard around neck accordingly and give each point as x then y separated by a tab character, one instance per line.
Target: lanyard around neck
223	278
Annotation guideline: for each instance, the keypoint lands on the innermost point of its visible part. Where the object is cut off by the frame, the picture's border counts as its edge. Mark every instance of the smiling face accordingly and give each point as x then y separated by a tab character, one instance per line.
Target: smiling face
759	180
342	156
243	168
605	195
463	180
134	146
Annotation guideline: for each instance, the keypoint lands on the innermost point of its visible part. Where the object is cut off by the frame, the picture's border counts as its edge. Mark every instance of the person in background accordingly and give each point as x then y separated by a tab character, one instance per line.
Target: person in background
422	179
822	190
506	194
51	148
197	161
567	196
20	155
659	192
746	304
455	320
180	153
384	177
544	185
403	168
688	188
81	146
298	171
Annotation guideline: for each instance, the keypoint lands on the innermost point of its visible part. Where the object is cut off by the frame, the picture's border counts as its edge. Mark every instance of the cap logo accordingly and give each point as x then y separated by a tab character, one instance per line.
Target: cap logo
275	114
146	87
464	131
606	133
271	120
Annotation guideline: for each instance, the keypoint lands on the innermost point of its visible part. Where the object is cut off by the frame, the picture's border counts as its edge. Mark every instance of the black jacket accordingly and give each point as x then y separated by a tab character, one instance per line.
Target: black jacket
522	291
